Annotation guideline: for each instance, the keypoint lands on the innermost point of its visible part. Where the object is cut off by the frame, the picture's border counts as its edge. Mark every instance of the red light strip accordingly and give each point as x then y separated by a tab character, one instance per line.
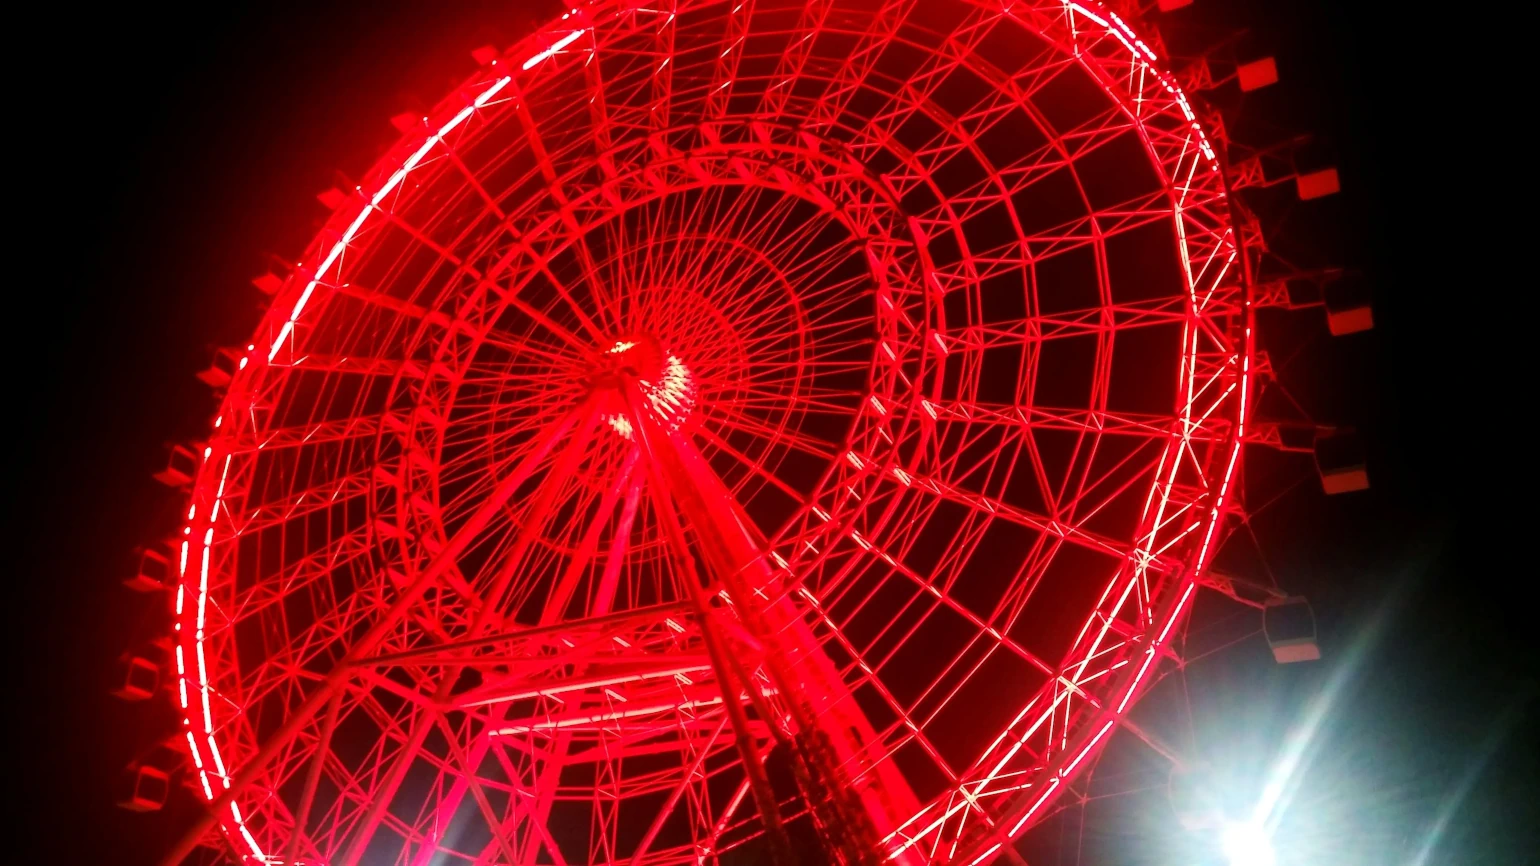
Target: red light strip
554	49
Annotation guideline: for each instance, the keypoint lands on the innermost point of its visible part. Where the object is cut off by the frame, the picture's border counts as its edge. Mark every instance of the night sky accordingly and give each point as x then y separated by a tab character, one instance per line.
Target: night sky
162	155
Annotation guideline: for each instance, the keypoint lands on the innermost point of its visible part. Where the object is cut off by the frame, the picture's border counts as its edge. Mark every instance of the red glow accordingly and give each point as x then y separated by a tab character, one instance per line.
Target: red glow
691	310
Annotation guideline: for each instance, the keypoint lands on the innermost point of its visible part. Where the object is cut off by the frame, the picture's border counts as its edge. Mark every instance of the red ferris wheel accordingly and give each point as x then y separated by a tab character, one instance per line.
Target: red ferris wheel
720	424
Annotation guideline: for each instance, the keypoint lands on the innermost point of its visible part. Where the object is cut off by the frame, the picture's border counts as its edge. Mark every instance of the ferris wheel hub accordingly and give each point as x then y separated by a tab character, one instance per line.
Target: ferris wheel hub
640	360
639	356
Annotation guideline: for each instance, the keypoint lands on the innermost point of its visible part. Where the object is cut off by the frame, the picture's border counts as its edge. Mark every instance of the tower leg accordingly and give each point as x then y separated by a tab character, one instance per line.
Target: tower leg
759	780
838	746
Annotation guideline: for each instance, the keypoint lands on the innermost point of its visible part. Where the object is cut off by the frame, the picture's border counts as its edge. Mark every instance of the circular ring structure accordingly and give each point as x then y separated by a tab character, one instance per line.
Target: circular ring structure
900	348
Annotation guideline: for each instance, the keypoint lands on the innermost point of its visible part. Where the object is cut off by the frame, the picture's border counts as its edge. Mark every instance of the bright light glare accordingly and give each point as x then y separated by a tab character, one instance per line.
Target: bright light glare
1246	844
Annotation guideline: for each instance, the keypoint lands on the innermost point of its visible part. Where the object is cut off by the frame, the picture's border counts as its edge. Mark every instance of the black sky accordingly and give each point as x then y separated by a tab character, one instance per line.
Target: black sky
161	153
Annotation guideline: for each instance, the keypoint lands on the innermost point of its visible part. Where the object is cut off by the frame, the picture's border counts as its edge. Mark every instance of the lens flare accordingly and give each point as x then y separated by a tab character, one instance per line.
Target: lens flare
1247	844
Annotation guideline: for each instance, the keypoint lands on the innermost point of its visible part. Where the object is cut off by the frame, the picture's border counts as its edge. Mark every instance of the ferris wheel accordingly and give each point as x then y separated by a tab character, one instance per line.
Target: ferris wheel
715	426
